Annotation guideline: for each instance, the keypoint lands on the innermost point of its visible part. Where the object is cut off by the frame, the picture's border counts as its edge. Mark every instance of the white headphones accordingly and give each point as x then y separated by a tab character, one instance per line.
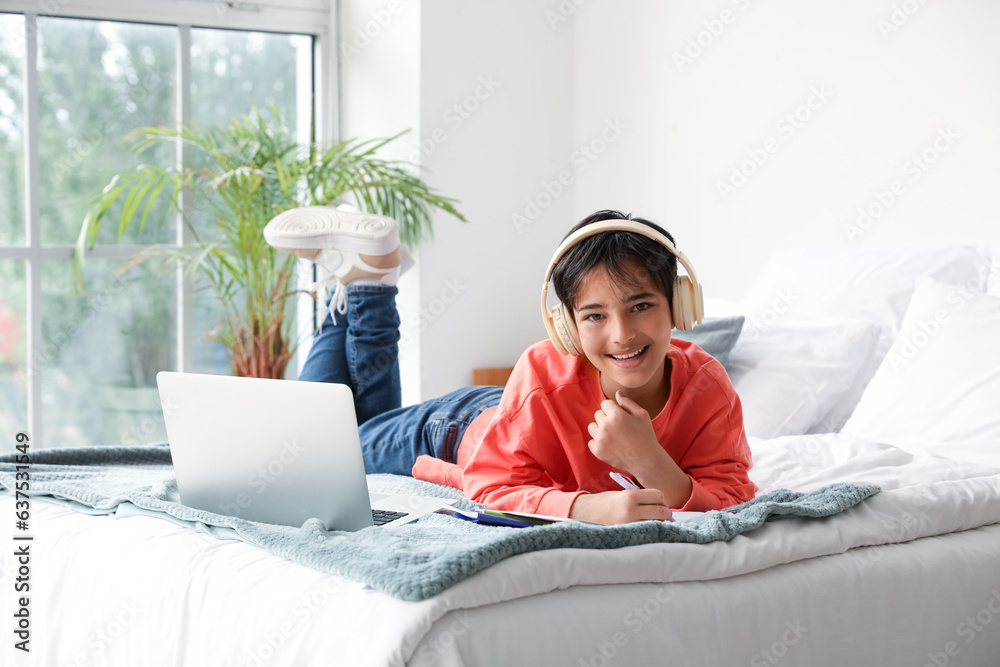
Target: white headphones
688	307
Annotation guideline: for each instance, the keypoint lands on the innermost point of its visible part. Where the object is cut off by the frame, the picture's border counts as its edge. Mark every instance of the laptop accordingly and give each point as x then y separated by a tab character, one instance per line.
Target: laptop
275	451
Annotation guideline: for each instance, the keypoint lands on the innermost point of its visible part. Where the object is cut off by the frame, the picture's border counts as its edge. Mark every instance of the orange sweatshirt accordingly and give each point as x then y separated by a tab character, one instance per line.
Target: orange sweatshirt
530	454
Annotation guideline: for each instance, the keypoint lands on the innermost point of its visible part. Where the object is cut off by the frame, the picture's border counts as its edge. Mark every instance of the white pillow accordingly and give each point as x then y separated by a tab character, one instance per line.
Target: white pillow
718	307
789	374
871	284
938	389
994	286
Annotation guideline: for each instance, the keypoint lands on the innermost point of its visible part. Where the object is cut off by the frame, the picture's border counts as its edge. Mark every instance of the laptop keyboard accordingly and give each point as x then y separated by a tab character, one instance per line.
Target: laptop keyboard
381	517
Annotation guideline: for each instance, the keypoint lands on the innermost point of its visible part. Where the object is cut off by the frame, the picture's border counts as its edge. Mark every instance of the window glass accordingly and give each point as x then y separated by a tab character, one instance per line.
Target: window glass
233	72
13	353
97	81
101	353
11	130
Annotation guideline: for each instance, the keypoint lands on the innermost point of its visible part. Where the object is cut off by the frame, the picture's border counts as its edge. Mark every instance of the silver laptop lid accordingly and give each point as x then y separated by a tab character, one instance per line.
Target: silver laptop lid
276	451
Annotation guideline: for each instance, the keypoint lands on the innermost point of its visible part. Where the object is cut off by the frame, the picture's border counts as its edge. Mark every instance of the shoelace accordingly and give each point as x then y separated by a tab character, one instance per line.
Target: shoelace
338	298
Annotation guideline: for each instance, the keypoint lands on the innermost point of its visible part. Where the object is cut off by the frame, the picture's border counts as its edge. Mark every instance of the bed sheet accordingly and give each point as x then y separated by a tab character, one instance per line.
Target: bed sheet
898	604
125	591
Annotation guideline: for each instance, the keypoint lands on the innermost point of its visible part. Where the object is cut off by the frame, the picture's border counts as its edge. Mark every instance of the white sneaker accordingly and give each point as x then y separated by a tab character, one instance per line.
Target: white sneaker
349	244
306	230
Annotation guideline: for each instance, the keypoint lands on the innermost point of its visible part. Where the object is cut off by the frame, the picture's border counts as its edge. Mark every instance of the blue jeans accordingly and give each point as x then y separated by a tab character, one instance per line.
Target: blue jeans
361	350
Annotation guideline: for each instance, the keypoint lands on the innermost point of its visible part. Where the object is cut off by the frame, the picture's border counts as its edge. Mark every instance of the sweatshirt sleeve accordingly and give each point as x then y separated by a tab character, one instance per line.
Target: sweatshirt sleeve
718	460
435	470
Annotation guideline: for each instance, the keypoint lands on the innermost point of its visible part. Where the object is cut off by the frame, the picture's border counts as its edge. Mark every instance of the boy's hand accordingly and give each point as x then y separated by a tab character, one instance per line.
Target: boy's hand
623	435
613	507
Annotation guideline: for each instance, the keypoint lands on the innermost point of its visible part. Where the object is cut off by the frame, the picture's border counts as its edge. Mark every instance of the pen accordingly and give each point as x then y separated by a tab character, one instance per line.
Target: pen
626	481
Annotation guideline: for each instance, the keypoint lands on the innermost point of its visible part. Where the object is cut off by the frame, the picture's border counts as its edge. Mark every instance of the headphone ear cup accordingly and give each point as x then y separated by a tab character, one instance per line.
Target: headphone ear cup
565	328
683	311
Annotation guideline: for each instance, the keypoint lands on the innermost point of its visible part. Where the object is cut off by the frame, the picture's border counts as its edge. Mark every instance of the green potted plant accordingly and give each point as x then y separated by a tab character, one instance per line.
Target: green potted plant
241	177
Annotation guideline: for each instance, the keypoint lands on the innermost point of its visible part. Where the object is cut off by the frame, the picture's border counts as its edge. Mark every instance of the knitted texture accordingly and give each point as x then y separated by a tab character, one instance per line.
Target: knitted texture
412	562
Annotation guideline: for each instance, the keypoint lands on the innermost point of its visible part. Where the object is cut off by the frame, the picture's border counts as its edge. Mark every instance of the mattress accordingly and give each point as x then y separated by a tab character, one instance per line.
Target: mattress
910	576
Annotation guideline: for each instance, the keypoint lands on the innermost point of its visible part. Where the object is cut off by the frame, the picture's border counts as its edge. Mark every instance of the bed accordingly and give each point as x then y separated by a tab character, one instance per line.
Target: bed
876	367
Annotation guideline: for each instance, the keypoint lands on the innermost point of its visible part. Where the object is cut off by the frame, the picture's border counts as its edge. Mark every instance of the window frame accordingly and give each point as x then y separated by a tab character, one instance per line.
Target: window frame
317	18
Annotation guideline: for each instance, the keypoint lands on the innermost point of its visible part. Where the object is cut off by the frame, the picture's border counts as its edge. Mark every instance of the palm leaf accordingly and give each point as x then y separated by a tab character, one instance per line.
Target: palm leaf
243	175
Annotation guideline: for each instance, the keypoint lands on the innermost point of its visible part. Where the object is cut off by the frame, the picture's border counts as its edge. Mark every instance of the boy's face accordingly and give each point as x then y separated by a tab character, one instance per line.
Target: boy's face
625	332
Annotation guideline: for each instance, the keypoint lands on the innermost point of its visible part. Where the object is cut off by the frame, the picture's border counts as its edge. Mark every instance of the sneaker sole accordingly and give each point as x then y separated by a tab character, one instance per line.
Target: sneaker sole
315	227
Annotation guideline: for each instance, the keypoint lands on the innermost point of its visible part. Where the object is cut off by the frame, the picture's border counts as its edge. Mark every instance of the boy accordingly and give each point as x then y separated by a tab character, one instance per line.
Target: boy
634	401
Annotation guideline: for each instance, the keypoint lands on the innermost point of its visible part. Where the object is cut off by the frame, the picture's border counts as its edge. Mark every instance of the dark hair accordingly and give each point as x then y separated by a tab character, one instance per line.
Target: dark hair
615	251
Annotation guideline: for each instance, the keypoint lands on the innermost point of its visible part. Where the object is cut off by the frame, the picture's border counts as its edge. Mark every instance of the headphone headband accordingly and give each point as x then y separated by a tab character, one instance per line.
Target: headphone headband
690	305
616	225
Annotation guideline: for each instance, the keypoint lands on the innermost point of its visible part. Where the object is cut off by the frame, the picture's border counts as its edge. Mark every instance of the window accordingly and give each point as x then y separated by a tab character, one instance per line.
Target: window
80	370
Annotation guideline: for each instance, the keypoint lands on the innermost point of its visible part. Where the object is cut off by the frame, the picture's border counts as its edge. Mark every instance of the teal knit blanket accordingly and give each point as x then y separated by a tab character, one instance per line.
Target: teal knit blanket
412	562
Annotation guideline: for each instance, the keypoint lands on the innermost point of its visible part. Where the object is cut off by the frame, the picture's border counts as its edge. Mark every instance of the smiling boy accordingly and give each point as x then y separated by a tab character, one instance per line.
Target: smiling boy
627	398
634	401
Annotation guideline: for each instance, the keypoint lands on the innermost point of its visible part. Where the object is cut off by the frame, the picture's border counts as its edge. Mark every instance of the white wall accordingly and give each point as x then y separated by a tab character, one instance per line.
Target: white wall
886	86
380	96
487	87
512	141
590	92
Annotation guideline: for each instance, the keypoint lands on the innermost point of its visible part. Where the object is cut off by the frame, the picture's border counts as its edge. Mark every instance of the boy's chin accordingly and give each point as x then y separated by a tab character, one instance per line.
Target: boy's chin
626	378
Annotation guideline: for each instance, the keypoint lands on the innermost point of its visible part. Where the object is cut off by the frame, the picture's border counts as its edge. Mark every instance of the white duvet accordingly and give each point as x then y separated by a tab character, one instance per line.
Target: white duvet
144	591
